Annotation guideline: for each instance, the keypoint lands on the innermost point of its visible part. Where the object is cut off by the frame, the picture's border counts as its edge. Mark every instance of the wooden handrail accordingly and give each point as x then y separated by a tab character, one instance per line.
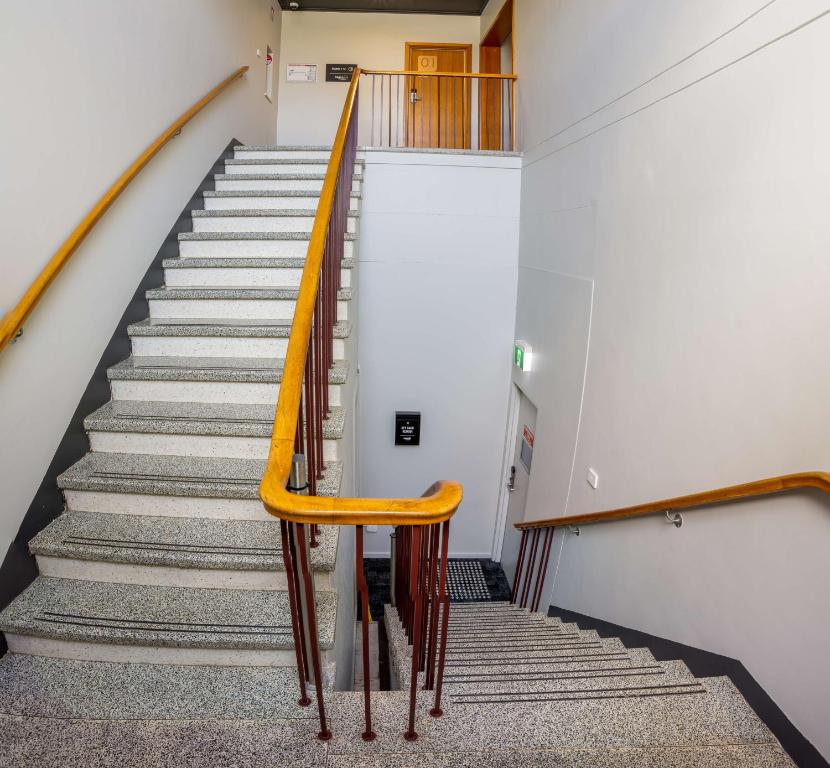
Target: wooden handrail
438	503
14	319
799	481
413	73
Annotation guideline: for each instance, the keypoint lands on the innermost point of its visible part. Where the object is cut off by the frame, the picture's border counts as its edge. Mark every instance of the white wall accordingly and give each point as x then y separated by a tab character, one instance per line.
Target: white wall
86	87
309	112
674	261
438	261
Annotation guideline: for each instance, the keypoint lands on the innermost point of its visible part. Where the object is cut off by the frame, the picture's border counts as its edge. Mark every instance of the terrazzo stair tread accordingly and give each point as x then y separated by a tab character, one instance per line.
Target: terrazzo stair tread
534	650
284	161
266	262
250	294
727	756
222	193
188	476
631	658
521	641
196	236
270	329
211	369
179	542
278	176
665	674
214	419
252	213
282	148
600	660
160	617
42	687
38	742
717	717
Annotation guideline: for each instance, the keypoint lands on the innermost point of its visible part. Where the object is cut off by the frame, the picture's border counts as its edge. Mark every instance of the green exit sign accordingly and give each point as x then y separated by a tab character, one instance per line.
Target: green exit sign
522	355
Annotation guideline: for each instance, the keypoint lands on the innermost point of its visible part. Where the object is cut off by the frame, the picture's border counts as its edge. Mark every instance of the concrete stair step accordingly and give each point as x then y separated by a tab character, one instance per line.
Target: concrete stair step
251	245
41	687
269	198
168	551
231	430
277	151
193	337
232	303
259	220
248	273
140	624
664	674
249	164
208	379
310	182
178	486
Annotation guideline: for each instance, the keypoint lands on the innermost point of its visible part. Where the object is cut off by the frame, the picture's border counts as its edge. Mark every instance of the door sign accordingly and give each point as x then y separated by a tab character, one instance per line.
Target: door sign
526	452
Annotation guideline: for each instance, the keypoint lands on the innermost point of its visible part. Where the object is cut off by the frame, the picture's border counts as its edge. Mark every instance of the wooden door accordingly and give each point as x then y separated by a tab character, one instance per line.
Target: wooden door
438	108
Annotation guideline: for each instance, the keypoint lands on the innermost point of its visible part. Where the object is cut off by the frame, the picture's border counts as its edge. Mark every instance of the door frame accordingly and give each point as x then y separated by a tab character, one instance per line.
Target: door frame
467	48
489	62
511	433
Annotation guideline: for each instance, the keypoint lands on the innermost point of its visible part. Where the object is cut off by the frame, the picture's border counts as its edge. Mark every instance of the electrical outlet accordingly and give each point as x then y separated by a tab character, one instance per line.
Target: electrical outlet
593	477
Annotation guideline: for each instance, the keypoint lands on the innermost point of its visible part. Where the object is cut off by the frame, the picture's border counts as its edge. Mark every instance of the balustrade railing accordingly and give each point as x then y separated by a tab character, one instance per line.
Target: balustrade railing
529	570
439	110
296	470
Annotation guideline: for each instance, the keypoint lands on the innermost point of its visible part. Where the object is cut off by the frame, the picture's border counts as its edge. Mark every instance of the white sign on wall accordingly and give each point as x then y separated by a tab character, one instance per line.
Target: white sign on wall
301	73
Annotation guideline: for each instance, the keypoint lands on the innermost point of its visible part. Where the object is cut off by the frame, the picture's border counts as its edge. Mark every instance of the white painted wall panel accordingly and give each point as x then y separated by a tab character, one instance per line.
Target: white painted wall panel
438	265
86	87
674	237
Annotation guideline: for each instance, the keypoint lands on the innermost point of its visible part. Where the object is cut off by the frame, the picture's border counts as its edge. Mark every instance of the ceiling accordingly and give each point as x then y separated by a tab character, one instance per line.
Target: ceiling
460	7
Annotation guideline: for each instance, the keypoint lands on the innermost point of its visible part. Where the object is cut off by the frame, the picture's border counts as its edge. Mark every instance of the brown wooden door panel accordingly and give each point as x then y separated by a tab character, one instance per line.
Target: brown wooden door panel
438	108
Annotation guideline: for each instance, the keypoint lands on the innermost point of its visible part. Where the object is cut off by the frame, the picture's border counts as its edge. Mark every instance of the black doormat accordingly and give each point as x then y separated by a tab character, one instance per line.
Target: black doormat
469	580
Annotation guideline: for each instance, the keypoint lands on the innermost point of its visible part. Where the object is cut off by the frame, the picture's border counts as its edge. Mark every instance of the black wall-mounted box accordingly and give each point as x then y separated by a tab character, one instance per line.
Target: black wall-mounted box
407	428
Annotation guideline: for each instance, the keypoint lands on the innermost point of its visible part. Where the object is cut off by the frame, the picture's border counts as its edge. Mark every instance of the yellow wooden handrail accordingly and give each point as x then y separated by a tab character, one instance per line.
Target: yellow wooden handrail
468	75
438	503
799	481
13	320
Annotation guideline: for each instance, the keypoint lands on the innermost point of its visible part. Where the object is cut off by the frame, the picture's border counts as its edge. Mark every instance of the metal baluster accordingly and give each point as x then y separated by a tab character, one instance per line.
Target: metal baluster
543	567
368	734
444	603
373	111
434	605
309	418
530	563
518	575
297	628
398	112
410	734
325	733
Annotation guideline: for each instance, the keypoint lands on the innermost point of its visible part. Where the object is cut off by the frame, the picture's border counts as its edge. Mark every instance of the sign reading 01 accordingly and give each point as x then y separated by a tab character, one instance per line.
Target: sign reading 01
340	73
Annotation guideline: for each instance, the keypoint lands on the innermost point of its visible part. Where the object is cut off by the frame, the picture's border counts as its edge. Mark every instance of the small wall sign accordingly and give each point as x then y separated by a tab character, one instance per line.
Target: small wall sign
526	453
301	73
427	63
522	355
340	73
407	428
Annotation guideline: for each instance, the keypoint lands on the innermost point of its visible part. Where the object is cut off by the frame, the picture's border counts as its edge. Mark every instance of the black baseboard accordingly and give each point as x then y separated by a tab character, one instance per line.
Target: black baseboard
706	664
19	569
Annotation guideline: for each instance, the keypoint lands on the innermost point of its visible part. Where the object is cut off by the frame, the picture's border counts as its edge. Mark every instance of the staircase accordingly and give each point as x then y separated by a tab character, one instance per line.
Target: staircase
159	633
165	555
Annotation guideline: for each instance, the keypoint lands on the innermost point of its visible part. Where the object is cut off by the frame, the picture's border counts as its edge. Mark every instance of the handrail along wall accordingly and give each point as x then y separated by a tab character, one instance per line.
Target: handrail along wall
12	324
533	531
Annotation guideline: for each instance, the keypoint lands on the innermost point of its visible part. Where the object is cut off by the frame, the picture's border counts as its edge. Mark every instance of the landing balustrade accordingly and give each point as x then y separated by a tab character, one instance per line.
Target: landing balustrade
296	471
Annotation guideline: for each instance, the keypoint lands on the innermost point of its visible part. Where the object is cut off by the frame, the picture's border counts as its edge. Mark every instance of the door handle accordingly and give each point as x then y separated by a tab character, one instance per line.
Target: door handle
414	98
511	482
